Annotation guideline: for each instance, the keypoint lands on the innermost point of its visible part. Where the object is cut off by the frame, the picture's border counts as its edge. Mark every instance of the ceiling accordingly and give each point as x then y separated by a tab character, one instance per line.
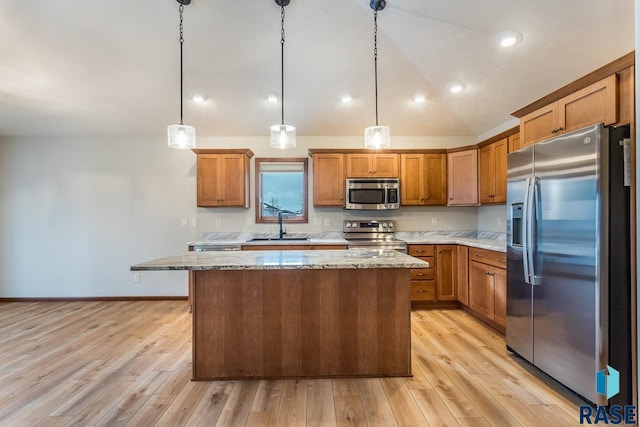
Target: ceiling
111	67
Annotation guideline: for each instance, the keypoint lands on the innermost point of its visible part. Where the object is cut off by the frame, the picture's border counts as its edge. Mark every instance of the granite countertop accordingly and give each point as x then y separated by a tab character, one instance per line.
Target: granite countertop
476	239
279	260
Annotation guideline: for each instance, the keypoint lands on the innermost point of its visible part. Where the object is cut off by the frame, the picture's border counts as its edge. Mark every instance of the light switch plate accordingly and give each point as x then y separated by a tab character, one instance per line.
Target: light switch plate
194	222
218	222
185	222
317	221
327	222
434	220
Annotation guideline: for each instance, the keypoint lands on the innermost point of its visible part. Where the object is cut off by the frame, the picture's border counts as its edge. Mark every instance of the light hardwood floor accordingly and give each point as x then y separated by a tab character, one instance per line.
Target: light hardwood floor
129	363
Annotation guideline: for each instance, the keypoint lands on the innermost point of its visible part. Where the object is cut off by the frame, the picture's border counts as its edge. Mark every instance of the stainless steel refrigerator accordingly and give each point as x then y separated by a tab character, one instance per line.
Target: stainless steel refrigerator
568	267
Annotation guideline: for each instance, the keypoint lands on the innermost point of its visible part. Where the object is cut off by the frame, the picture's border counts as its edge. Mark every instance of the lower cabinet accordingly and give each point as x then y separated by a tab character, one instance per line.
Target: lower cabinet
488	285
438	283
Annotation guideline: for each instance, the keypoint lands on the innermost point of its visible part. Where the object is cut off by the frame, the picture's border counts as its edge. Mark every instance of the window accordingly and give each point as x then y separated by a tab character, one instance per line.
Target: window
281	186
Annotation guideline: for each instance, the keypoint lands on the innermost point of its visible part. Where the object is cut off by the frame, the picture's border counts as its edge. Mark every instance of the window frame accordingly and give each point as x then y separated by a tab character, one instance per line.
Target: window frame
304	217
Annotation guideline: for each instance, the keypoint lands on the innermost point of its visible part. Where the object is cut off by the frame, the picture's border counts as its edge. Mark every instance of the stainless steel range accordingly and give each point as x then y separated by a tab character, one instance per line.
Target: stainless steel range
372	234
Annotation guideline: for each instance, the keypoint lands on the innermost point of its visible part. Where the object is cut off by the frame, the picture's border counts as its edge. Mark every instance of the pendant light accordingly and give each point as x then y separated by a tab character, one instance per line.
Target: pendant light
282	136
376	136
181	136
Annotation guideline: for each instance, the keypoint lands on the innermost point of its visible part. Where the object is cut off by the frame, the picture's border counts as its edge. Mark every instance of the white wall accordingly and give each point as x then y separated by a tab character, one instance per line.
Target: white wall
76	213
492	218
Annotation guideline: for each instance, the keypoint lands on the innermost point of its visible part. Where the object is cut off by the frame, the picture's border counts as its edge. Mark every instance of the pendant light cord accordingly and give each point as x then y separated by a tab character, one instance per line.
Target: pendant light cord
375	56
181	43
282	64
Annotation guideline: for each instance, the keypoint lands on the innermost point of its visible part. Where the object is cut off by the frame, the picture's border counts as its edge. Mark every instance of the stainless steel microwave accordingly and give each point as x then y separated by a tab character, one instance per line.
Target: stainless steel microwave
372	193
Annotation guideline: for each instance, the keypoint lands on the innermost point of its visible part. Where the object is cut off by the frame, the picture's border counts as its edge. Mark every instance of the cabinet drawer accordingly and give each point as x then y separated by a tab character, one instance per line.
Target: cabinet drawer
497	259
423	274
423	291
421	250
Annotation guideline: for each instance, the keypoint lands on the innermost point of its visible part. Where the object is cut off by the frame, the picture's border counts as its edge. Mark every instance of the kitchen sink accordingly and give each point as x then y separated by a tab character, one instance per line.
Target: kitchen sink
276	239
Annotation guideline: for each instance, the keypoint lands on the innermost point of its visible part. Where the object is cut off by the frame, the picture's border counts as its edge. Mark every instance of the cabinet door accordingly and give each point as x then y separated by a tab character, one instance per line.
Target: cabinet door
500	171
411	179
597	103
514	142
480	289
462	274
539	125
435	179
462	178
487	173
233	180
446	283
359	165
385	165
328	179
499	296
208	167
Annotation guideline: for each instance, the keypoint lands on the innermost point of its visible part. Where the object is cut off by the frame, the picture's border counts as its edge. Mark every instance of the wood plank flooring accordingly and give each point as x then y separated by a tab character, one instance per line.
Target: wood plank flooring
129	363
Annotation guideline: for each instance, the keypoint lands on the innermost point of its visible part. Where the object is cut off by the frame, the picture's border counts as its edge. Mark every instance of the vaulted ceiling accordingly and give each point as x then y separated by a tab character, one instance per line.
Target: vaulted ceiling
111	68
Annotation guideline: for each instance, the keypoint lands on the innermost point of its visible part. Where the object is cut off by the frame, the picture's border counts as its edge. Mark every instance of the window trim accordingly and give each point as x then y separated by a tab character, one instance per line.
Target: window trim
304	218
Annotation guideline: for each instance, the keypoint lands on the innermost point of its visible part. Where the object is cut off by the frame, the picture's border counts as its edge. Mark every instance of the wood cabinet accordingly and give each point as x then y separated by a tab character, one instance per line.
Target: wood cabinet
462	178
488	285
328	179
372	165
446	273
423	280
596	103
438	283
514	142
462	277
493	172
223	177
423	179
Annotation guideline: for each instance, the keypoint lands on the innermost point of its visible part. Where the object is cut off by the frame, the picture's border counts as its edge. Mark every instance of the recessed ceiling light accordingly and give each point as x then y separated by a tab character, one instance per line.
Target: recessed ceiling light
346	98
274	97
419	97
509	38
455	87
198	97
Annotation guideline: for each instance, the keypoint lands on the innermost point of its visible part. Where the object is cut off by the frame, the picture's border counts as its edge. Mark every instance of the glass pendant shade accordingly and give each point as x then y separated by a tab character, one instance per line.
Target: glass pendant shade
181	136
283	136
376	137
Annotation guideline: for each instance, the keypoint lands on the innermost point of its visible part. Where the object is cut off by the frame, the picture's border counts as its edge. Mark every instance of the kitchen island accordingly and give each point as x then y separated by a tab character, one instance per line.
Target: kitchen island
279	314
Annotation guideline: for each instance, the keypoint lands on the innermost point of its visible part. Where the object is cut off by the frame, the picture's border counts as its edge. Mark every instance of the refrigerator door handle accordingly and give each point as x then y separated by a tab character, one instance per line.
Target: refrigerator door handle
533	225
525	235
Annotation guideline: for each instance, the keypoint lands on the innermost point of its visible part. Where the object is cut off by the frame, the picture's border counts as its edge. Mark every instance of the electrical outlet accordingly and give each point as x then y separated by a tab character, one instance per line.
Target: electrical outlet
317	221
194	222
249	222
185	222
136	277
499	221
434	220
218	222
326	222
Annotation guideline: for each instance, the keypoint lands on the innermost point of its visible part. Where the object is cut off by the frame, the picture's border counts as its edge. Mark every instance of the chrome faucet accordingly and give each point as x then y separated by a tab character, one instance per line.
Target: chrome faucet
281	231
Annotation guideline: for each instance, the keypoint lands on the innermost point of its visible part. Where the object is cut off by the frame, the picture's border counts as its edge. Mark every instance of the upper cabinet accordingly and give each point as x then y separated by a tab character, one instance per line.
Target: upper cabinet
223	177
596	103
423	179
514	142
328	179
462	178
493	172
372	165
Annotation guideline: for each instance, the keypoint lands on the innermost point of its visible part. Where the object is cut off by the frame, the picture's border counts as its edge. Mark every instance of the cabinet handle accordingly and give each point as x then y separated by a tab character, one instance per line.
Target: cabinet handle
450	198
560	128
420	274
420	290
503	261
479	256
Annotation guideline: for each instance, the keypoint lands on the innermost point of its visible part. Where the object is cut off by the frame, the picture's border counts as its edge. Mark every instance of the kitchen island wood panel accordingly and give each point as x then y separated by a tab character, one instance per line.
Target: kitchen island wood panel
301	323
